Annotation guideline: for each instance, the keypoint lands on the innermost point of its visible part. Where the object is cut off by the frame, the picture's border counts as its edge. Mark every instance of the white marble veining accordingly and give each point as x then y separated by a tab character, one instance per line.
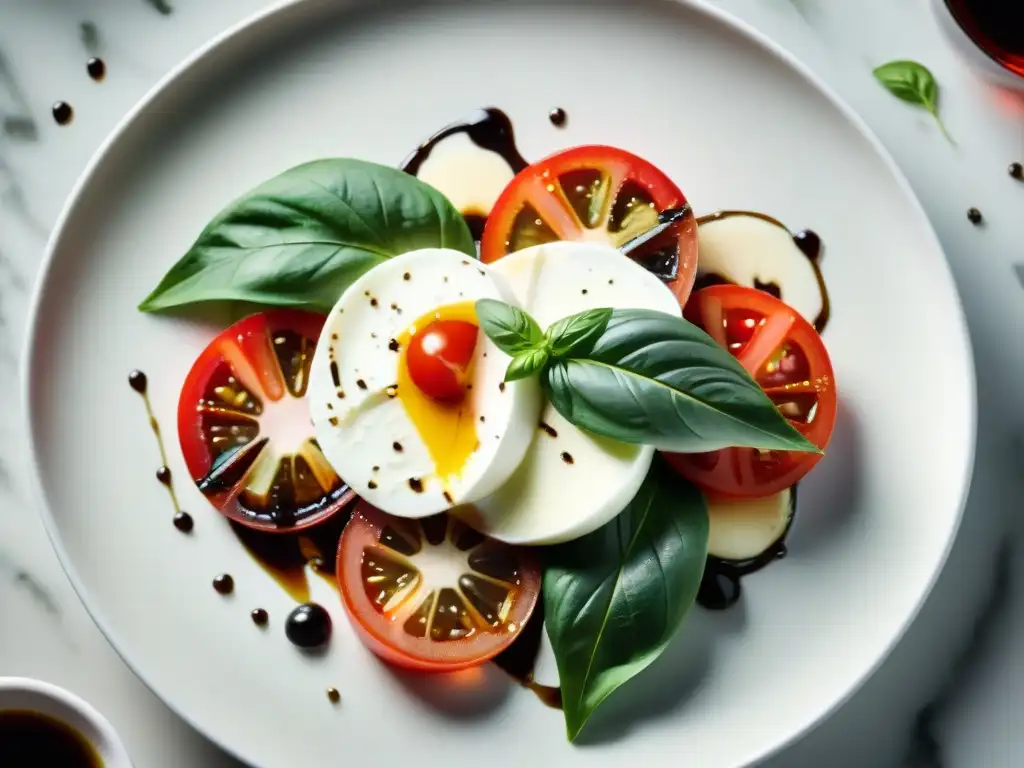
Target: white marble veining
951	692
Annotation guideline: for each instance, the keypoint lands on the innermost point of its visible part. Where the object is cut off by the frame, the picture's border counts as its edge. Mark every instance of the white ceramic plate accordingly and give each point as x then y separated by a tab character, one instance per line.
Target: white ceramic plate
738	124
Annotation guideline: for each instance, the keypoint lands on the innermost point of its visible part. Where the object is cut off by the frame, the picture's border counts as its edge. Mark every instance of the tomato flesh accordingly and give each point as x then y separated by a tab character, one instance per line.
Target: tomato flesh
439	358
787	357
433	594
245	429
596	194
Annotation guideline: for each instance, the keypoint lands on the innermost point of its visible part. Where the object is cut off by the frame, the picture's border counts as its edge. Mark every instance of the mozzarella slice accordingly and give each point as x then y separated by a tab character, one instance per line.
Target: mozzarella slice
571	482
405	453
744	529
748	250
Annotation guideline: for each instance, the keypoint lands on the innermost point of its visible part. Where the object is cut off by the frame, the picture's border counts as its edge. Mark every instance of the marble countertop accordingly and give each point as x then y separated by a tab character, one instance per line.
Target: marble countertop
949	694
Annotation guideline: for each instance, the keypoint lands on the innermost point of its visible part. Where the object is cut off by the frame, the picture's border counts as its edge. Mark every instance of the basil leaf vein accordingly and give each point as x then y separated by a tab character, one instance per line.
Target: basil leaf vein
576	333
301	238
615	598
527	363
511	329
656	379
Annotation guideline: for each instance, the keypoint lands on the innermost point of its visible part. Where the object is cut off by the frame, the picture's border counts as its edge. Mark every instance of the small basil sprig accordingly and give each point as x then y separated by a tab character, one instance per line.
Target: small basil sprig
913	83
519	336
640	376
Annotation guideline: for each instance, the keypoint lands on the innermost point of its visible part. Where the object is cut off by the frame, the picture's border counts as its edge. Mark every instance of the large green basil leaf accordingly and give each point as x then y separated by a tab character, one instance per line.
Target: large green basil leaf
301	238
614	598
657	379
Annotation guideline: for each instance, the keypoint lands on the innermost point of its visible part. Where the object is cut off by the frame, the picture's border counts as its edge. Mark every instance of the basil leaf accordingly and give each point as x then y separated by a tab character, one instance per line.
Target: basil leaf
657	379
526	363
577	332
301	238
913	83
511	329
614	598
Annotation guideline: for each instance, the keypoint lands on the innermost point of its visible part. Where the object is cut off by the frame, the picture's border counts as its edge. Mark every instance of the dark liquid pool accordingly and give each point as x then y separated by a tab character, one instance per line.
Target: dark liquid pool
29	739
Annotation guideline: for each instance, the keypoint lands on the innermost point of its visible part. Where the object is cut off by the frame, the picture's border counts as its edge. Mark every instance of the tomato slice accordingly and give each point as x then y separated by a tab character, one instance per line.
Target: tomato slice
433	594
599	194
245	428
787	357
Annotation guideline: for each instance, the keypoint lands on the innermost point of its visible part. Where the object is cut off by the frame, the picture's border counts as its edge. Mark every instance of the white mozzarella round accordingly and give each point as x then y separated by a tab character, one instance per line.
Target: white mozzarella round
571	482
392	444
742	529
748	250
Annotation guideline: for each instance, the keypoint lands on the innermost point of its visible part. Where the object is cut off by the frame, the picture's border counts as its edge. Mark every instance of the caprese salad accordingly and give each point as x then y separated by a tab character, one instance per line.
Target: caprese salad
548	414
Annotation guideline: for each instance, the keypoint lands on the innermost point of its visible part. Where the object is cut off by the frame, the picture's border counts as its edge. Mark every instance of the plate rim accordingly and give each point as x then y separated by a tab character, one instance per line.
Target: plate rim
279	8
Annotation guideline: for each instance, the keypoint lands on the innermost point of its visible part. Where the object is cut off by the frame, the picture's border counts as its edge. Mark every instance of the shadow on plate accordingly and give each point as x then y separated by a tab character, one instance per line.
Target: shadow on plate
665	687
828	498
472	694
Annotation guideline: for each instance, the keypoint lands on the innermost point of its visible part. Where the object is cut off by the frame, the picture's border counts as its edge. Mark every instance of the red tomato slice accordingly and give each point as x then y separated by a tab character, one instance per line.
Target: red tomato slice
432	594
599	194
787	357
245	429
439	357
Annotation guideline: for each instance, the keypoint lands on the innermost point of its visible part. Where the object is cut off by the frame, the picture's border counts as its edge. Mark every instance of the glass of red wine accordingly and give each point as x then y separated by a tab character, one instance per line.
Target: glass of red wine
989	34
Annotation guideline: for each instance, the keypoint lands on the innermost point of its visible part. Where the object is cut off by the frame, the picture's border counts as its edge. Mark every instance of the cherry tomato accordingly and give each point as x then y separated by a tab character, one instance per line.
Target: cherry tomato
439	357
432	594
598	194
787	357
245	429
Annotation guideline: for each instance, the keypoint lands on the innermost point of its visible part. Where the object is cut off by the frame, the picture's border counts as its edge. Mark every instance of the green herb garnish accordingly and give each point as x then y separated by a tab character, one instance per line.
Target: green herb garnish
615	598
301	238
913	83
641	376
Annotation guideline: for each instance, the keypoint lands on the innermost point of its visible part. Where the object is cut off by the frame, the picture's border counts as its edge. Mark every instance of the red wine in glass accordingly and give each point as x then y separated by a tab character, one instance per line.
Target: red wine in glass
994	26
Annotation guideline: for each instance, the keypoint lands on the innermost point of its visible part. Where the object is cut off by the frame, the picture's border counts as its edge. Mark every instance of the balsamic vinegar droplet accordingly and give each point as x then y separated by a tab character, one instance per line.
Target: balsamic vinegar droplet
259	617
308	625
137	381
224	584
183	522
557	117
96	68
63	113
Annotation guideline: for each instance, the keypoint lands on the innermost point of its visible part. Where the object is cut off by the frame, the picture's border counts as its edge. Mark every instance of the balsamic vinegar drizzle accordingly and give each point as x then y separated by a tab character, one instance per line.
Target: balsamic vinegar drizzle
182	520
720	586
285	556
520	658
489	129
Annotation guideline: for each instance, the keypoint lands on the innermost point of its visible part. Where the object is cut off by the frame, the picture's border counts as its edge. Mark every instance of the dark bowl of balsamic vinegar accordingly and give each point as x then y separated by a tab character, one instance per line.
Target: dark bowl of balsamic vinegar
41	724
